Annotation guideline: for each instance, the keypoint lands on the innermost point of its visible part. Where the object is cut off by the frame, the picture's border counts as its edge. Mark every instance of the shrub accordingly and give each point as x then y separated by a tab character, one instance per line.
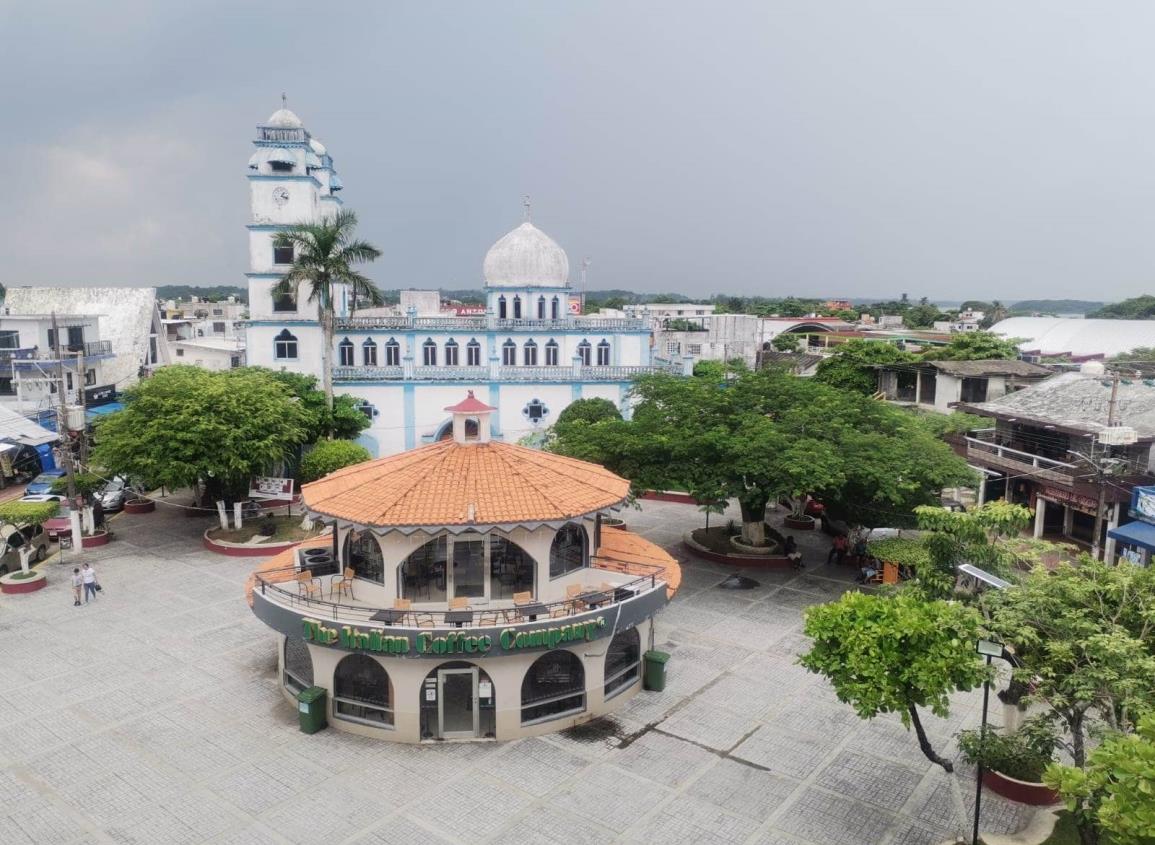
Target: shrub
329	456
1023	755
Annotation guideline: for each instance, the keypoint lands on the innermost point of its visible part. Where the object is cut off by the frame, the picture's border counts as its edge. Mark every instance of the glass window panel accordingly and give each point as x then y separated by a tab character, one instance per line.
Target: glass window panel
423	572
511	569
468	568
363	555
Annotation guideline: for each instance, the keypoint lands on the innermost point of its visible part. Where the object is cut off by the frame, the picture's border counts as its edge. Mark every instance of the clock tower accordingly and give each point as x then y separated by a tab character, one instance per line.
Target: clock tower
291	180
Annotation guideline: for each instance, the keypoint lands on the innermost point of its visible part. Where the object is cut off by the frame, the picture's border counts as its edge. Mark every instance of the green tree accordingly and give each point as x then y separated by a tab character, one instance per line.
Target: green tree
344	421
1137	308
1145	354
976	536
329	456
895	654
21	514
186	426
1085	639
85	483
922	315
786	342
852	365
1115	793
325	254
974	346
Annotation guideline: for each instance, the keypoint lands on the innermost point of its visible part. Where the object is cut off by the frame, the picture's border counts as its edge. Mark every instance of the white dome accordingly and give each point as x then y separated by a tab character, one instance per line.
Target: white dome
317	146
284	119
526	256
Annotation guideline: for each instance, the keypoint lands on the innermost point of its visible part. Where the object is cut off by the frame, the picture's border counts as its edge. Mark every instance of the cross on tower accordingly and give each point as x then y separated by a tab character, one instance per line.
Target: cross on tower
525	202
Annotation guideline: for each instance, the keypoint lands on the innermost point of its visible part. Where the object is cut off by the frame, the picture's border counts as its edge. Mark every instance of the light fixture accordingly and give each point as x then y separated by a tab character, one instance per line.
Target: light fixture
989	648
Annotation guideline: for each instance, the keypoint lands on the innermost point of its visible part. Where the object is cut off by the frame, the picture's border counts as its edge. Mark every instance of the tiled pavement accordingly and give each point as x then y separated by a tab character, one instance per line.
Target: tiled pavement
153	717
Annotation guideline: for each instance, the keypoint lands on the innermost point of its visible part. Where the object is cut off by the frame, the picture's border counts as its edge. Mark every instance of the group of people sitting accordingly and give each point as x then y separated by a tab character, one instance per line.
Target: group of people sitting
854	551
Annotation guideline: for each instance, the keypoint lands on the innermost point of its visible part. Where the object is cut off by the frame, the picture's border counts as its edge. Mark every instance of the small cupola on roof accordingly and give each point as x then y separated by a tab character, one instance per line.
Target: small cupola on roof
471	409
526	256
284	119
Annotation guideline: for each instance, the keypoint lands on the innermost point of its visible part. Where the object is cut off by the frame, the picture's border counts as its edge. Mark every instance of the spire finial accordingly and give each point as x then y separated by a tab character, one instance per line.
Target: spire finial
284	101
525	202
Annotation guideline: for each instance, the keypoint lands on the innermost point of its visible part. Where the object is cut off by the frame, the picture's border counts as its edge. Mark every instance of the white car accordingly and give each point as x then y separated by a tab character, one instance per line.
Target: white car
43	497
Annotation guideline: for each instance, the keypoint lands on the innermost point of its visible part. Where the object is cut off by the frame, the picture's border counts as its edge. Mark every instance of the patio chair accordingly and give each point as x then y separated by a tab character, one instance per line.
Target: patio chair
307	585
490	617
523	598
459	603
342	583
560	610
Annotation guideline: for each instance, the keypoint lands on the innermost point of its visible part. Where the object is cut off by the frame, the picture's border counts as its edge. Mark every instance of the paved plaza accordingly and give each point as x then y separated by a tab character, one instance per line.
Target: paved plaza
155	716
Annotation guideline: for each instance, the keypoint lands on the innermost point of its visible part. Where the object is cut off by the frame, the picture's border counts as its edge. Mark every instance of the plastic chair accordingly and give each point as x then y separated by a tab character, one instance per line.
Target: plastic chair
342	583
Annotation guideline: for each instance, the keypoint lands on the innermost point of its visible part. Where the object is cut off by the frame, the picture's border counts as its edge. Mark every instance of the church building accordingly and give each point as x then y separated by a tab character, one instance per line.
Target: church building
528	356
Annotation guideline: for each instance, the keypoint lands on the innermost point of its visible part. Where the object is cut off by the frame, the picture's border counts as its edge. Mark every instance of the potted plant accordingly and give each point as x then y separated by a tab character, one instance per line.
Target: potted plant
1014	762
25	518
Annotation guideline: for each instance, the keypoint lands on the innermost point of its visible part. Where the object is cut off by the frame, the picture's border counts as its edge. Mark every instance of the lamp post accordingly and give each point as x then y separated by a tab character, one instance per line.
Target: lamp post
988	649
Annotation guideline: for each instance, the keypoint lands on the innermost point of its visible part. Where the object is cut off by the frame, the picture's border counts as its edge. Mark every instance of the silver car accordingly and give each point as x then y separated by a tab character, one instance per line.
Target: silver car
113	494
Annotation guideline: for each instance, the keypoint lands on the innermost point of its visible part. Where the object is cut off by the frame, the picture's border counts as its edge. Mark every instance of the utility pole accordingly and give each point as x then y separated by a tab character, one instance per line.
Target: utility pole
81	381
1100	474
66	436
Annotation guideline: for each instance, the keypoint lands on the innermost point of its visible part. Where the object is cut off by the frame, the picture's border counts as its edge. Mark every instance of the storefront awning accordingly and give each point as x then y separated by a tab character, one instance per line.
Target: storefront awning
101	410
1140	534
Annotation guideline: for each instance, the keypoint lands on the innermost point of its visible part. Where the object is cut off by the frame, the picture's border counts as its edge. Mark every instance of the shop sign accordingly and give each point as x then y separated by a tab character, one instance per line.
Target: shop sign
1067	497
263	487
452	642
1143	503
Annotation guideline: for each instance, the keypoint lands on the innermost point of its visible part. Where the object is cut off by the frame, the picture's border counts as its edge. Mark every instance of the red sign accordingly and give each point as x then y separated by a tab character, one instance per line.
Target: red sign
263	487
575	305
1067	497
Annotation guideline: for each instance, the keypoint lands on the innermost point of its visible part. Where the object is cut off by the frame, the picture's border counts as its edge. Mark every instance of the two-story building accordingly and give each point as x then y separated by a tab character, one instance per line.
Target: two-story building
942	385
529	356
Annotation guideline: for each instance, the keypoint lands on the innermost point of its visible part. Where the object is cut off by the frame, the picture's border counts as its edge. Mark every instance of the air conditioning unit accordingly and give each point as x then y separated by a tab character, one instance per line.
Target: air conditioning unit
1118	435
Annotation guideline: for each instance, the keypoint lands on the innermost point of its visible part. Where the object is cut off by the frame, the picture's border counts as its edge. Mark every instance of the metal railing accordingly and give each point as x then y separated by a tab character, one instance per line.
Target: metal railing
467	324
280	585
511	374
985	441
70	353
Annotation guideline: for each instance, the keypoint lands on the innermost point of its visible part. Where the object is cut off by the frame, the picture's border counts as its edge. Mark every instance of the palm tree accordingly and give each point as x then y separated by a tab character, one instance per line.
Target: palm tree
324	254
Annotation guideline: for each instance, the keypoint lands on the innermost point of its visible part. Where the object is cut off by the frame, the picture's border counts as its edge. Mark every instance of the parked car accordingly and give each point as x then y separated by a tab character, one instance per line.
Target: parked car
59	524
113	494
13	537
44	497
43	482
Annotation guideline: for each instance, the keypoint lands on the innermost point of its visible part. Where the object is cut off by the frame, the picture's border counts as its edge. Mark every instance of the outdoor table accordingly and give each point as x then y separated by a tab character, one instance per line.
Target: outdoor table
595	598
623	594
531	610
390	616
457	618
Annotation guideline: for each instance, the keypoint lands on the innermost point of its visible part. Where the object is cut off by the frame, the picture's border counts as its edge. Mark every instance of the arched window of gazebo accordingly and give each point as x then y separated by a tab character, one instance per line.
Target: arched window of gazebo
422	576
567	553
362	691
363	555
623	661
298	673
554	686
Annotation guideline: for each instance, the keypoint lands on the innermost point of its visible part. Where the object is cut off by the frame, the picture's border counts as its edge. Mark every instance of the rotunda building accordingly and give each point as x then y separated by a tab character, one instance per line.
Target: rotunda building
468	590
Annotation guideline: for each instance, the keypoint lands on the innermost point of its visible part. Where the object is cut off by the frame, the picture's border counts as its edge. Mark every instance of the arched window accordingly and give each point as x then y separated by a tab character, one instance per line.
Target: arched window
369	352
511	569
551	353
623	660
554	686
298	673
345	353
422	575
517	307
541	307
530	354
473	353
363	556
451	353
604	353
509	353
501	307
584	352
567	553
392	353
285	346
554	309
362	691
429	353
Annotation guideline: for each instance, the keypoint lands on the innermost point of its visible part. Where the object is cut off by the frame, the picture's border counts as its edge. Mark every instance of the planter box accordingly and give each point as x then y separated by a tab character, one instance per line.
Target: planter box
140	506
223	547
11	584
616	524
801	523
1024	792
91	541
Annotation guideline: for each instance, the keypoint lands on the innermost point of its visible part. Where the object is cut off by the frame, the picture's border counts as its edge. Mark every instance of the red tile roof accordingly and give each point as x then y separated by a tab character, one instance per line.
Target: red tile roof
470	405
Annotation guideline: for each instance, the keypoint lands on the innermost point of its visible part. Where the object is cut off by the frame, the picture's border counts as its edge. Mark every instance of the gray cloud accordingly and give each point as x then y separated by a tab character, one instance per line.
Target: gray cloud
836	148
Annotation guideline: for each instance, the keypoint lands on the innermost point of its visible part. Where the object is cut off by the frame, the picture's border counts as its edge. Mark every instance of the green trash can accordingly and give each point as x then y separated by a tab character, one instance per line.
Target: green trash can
311	709
655	676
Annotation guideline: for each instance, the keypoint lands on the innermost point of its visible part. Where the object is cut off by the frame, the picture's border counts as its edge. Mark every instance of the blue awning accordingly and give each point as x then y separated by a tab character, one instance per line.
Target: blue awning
1137	533
101	410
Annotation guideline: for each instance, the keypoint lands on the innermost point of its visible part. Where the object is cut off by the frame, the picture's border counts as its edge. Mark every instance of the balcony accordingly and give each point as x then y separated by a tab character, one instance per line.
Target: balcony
36	358
477	324
503	374
984	446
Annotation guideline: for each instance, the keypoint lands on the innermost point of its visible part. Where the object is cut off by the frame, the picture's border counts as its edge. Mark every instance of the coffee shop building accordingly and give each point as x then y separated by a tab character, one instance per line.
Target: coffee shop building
470	589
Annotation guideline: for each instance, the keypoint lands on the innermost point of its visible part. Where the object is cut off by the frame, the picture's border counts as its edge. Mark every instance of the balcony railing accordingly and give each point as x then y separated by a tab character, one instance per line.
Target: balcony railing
506	374
70	354
984	445
476	324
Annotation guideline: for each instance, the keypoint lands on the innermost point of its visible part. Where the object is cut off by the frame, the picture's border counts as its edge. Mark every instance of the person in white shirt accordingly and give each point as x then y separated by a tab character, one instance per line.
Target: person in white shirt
77	582
88	577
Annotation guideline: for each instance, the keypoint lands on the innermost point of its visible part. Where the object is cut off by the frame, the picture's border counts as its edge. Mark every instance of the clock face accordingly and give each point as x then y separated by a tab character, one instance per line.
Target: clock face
280	196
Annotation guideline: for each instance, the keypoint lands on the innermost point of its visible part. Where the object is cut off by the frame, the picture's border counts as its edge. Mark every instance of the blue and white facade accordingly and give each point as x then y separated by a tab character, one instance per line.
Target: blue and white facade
529	355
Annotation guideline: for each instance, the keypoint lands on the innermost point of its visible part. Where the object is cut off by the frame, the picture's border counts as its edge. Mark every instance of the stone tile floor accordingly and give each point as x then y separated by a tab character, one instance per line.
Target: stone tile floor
153	716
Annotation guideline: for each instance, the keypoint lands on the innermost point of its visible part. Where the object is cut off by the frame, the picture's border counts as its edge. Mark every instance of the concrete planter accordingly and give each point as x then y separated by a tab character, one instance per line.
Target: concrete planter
763	561
800	523
92	541
1022	791
742	548
221	547
11	583
139	506
613	522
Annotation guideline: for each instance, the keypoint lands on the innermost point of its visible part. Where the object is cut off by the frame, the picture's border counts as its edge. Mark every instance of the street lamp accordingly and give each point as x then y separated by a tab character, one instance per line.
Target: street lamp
988	649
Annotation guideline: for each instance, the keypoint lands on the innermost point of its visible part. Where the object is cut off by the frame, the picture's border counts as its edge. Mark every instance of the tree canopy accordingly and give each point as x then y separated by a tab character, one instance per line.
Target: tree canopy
329	456
852	364
974	346
1136	308
758	436
343	421
786	342
895	654
185	425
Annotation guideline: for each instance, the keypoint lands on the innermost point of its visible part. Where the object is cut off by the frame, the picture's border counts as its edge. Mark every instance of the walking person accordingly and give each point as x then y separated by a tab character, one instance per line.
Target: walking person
88	577
77	585
792	553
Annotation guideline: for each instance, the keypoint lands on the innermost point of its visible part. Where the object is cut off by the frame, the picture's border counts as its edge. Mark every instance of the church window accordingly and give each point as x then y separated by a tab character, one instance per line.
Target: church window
345	353
541	307
535	411
369	353
551	354
429	353
501	307
604	354
530	355
555	309
451	353
281	167
282	251
517	308
392	353
584	352
509	353
285	346
367	408
284	301
473	354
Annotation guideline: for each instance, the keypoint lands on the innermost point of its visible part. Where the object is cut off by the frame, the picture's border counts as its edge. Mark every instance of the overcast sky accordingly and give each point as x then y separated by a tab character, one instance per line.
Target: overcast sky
815	148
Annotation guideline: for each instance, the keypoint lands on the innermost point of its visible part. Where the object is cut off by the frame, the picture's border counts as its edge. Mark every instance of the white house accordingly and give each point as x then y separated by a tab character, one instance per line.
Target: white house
528	356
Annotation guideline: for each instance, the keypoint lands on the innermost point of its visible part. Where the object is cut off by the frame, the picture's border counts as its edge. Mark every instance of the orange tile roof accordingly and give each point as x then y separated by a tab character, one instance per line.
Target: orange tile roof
623	551
283	561
449	483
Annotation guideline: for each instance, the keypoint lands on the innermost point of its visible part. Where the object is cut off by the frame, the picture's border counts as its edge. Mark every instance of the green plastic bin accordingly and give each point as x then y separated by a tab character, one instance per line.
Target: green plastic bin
311	709
655	674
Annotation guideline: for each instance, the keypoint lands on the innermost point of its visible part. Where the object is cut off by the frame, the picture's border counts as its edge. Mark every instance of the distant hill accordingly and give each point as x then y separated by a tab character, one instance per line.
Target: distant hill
1138	308
1056	306
214	293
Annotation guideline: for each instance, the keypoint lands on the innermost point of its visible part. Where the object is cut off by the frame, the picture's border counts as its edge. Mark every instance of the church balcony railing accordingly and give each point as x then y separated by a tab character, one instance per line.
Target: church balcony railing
450	373
367	373
504	374
474	324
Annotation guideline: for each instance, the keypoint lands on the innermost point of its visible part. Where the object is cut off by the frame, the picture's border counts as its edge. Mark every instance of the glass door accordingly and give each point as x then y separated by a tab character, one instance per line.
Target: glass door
457	703
468	568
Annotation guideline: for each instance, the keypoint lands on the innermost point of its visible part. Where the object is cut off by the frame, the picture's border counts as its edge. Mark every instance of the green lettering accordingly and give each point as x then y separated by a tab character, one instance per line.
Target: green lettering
484	643
505	639
424	641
